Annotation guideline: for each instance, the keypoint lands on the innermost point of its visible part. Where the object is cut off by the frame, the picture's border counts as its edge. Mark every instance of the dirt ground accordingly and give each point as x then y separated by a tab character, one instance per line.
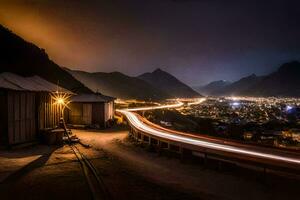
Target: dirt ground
129	172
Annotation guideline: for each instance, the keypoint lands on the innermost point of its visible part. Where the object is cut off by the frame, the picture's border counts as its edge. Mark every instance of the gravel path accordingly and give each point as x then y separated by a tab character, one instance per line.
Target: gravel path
129	171
192	180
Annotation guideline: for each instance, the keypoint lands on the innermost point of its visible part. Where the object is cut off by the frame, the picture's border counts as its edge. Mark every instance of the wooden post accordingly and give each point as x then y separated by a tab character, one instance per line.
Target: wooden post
159	146
136	135
142	138
133	134
168	147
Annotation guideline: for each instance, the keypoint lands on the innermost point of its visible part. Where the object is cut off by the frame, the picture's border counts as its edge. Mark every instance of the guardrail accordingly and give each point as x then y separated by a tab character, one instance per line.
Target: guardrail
239	154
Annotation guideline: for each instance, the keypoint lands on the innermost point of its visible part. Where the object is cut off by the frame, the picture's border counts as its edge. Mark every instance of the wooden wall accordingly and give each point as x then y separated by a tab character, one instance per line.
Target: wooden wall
80	113
98	114
48	112
23	114
3	118
87	113
75	113
21	118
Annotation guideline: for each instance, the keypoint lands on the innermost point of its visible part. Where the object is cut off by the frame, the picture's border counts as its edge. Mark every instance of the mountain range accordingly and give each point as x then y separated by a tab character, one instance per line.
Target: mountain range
26	59
284	82
118	85
213	87
126	87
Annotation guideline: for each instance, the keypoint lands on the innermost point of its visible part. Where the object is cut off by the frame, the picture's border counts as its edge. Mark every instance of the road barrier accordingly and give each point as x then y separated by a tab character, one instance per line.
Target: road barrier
249	156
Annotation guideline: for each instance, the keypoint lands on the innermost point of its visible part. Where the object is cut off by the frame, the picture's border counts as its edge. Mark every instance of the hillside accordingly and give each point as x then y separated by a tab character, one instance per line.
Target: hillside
26	59
284	82
212	87
240	86
119	85
168	84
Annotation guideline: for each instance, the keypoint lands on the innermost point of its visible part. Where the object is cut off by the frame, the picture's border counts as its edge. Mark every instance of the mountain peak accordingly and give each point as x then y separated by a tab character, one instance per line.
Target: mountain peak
252	75
158	70
212	87
220	82
168	83
119	85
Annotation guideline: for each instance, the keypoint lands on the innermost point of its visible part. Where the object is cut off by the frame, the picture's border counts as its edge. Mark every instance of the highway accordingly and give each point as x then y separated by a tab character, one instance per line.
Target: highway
176	105
217	146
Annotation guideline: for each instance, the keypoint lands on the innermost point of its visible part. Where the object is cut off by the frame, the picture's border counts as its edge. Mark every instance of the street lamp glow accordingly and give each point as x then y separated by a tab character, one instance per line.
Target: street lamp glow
61	98
60	101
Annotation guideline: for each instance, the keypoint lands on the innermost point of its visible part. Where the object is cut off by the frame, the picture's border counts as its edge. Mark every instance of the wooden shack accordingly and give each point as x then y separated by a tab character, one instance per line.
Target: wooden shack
26	108
92	110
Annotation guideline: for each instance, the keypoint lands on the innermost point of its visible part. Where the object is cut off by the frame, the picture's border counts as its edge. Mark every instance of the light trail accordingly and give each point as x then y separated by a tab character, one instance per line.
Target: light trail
138	124
196	102
177	105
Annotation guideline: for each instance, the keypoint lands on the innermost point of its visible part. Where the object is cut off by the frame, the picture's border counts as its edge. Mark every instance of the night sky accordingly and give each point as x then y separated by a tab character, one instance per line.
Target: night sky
196	40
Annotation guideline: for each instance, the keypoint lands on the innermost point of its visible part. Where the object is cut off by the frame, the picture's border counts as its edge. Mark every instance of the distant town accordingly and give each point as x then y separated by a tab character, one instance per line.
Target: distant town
270	121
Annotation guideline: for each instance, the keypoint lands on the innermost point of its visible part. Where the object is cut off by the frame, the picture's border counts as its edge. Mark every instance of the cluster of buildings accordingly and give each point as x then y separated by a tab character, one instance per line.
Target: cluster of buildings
28	108
245	111
253	116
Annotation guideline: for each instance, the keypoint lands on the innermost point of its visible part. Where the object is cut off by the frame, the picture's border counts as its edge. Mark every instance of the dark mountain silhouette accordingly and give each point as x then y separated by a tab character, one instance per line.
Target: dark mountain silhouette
213	87
284	82
239	87
168	84
119	85
26	59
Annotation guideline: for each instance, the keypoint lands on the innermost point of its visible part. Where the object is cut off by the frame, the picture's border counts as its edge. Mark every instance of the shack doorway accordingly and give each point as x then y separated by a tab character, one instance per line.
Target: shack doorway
87	113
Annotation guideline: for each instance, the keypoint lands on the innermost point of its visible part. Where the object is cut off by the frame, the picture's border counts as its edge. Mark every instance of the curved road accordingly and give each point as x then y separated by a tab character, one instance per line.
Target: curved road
264	155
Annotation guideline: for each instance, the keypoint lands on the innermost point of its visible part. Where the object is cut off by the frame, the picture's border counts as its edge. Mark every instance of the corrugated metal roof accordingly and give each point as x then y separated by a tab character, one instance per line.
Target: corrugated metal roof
48	85
36	84
8	85
91	98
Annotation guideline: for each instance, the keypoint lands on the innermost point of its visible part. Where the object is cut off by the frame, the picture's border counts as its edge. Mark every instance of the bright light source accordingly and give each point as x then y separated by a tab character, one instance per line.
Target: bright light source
60	101
289	108
236	104
234	98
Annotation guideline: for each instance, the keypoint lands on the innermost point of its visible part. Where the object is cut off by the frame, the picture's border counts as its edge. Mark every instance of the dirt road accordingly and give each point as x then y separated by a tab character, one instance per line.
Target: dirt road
172	178
41	172
128	171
